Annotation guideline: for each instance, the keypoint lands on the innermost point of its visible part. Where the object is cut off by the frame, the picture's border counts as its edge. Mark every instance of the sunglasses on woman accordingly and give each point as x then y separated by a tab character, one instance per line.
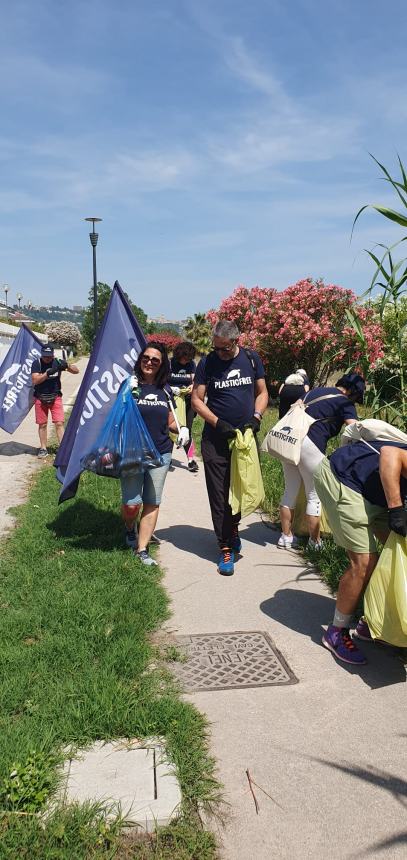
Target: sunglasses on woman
148	359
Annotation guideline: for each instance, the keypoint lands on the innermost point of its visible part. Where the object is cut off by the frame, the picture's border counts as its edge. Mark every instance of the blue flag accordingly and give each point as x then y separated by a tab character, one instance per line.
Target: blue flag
16	389
117	345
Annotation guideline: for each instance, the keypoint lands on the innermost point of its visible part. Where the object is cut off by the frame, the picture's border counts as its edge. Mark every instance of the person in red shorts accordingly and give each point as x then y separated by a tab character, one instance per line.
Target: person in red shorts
46	378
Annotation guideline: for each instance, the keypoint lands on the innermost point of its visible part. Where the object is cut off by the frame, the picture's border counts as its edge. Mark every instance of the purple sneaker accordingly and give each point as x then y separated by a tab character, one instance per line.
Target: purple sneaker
362	631
339	641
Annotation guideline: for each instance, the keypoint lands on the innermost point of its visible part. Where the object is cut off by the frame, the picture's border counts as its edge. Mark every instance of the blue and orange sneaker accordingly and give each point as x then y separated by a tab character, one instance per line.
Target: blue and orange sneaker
236	543
226	562
339	641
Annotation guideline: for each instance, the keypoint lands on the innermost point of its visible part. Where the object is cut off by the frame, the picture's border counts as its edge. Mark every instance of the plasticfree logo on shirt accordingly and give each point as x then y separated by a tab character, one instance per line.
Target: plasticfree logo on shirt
152	400
233	380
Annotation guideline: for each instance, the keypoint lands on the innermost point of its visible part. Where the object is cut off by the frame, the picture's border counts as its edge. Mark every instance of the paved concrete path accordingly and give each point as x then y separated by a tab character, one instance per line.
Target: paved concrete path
331	750
18	453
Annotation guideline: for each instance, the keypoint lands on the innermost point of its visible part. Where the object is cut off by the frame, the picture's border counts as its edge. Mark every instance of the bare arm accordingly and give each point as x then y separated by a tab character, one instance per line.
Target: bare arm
393	465
72	368
198	405
37	378
261	396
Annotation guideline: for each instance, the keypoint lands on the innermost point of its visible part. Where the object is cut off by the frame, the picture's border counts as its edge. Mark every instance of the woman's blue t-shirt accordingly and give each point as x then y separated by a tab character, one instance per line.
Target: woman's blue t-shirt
357	466
336	410
230	386
154	408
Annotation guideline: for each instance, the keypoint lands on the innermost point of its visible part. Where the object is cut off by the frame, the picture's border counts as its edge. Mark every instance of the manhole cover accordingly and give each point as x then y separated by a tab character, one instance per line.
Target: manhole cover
225	661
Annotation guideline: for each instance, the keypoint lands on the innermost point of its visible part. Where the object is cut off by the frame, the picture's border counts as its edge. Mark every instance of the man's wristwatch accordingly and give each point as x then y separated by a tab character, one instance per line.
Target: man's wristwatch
258	415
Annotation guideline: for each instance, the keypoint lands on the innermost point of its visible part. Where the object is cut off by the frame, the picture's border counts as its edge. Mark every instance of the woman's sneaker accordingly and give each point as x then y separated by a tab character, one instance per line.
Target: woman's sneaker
144	557
287	541
225	563
339	641
314	544
362	631
42	453
131	537
193	466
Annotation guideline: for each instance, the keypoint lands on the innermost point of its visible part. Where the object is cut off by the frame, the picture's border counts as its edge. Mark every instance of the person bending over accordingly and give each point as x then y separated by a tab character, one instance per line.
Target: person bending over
362	488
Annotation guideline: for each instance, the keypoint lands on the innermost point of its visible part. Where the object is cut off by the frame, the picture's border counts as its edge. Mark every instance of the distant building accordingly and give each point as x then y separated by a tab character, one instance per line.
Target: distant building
78	308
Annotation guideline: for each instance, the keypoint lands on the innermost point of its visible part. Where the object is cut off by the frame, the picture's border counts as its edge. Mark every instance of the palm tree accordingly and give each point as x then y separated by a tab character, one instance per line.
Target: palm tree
199	331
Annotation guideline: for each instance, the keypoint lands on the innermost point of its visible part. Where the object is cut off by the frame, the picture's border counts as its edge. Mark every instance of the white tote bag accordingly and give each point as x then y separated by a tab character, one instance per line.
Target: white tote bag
284	440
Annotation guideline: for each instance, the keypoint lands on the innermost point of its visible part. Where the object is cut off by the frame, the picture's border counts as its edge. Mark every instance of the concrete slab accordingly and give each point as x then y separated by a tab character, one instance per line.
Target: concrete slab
328	755
124	775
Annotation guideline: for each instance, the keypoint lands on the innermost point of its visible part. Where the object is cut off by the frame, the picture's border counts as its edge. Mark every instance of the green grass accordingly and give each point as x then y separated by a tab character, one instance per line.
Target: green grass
76	616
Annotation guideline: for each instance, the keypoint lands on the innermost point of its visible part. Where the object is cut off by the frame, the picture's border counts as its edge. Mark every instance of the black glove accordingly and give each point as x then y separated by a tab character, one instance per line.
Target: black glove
254	424
225	429
62	364
398	520
52	371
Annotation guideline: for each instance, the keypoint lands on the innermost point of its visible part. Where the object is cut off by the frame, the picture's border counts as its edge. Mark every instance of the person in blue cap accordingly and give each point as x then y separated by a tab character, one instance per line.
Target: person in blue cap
46	378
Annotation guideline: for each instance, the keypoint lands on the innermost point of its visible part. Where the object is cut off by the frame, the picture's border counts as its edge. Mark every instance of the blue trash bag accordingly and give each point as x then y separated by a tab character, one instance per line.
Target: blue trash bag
124	445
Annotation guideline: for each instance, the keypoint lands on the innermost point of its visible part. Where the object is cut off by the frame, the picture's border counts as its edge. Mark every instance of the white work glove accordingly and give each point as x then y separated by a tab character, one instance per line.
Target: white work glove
133	383
183	437
175	390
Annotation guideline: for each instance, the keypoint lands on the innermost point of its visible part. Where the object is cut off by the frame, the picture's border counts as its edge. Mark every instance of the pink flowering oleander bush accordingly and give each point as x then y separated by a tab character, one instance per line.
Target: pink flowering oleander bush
168	338
303	326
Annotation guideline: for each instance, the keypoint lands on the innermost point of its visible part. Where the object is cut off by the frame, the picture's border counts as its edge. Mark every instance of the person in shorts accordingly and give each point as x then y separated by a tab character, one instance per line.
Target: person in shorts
154	399
229	393
362	488
333	407
46	378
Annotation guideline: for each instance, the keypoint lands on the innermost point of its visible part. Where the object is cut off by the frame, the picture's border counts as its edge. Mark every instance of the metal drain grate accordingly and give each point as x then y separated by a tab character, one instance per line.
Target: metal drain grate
226	661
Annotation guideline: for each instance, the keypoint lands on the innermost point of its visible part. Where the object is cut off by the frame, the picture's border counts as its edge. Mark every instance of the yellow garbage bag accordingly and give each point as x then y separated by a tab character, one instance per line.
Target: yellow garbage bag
246	491
386	594
300	526
181	410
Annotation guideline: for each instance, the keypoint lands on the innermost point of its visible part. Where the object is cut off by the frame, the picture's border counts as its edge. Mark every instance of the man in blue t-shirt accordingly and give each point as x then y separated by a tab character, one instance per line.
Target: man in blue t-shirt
46	379
231	381
363	489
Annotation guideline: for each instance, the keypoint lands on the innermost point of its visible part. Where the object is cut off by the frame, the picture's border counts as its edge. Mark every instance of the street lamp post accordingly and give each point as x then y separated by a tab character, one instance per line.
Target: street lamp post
6	289
93	241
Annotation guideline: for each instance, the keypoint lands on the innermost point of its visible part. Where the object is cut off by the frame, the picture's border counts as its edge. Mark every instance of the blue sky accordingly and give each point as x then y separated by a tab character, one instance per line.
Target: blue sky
221	141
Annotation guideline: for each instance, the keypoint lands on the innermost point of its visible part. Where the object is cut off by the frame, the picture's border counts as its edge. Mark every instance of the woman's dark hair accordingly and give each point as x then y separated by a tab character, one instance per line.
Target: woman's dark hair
355	384
164	369
185	349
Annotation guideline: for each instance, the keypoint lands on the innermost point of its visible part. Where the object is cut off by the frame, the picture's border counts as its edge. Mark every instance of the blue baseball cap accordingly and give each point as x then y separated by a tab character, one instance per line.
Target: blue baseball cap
47	351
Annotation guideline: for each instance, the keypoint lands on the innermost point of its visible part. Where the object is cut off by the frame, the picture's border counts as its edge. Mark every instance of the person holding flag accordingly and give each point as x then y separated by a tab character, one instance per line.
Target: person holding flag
46	378
154	399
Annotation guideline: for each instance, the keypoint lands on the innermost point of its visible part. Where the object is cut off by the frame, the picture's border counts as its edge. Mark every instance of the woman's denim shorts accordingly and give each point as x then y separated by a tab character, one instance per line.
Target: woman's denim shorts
147	487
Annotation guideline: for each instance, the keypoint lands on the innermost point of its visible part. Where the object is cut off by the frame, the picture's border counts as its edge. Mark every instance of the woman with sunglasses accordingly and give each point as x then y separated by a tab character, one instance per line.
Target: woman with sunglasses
153	397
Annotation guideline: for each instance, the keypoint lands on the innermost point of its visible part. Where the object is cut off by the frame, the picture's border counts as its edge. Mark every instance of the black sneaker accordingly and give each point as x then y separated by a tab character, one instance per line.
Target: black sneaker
193	466
42	453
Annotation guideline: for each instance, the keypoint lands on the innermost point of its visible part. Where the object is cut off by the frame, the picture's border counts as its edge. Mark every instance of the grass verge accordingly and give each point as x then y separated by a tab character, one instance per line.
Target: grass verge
76	614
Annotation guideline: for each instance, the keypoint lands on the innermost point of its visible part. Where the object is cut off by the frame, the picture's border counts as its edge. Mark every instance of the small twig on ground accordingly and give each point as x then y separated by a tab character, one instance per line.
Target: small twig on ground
257	807
266	793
